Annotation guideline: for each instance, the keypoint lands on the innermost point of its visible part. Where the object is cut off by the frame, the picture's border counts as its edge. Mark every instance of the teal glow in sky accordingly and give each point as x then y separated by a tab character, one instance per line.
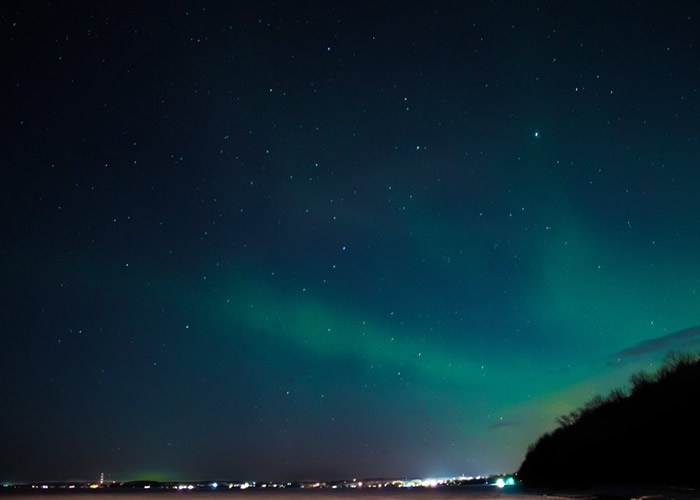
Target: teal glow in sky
322	241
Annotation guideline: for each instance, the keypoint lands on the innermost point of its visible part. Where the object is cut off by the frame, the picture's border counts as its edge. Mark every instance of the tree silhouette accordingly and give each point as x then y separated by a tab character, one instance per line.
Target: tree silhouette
640	437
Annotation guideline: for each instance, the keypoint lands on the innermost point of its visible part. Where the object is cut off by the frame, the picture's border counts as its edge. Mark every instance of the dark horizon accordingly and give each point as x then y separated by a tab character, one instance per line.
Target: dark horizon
225	483
331	239
109	479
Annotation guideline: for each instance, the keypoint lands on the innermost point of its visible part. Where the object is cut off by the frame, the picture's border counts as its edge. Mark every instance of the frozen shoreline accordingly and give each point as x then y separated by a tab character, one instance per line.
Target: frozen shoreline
616	493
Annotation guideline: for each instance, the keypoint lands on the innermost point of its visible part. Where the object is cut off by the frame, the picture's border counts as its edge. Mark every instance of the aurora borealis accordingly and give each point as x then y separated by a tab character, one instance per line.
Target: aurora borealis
298	240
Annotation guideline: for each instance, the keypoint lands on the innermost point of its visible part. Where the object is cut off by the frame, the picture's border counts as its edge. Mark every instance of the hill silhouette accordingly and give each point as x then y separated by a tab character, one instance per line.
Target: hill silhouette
649	435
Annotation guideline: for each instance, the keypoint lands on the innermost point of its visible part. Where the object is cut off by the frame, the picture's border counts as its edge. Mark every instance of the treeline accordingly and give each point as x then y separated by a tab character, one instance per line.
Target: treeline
648	435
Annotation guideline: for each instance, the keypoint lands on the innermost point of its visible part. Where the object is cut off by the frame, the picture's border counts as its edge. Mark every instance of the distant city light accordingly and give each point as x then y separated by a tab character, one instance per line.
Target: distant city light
416	483
501	482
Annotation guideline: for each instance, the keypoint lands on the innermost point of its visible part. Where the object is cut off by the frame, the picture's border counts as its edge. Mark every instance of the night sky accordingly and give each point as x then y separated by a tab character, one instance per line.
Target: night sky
288	240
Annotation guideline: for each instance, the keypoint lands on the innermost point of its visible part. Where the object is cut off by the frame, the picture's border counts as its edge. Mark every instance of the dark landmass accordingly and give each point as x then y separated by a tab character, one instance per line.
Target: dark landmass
228	484
646	437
